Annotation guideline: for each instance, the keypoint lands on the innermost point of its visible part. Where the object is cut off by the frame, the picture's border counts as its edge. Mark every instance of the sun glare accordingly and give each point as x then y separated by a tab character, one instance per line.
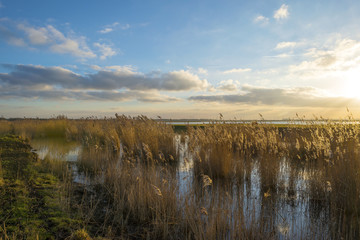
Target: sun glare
352	83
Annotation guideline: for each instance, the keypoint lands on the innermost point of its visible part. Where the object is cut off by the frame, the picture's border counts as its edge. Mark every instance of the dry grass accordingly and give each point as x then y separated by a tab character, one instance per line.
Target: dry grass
243	175
152	141
222	149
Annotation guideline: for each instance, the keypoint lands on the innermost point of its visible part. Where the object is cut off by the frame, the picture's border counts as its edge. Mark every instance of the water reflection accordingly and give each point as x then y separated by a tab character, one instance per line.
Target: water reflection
276	199
57	148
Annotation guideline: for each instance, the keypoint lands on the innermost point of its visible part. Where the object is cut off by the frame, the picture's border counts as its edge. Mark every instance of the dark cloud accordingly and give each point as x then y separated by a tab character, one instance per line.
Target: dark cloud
85	95
113	83
30	75
296	97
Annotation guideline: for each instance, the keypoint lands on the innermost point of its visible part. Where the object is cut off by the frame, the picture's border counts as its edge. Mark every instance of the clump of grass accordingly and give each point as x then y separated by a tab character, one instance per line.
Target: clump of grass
95	133
213	149
134	199
221	149
151	141
138	137
93	162
36	128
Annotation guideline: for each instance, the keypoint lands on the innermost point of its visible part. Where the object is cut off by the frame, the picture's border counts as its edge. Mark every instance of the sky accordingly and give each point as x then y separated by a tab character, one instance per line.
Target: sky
180	59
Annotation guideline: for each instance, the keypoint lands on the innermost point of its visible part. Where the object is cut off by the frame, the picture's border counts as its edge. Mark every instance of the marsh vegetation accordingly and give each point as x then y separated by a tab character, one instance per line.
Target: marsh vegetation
136	178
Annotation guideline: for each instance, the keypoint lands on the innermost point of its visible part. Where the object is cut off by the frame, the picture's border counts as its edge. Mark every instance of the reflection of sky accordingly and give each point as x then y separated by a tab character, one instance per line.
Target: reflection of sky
56	149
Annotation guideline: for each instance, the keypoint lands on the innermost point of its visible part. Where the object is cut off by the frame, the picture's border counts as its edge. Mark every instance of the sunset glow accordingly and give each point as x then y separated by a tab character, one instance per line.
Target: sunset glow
189	59
352	83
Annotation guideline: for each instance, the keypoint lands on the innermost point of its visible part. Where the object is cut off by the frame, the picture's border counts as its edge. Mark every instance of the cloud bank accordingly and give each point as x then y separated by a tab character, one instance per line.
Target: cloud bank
110	83
293	97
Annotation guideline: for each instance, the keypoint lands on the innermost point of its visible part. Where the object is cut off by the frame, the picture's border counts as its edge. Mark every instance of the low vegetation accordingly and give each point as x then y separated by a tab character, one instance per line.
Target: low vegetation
30	208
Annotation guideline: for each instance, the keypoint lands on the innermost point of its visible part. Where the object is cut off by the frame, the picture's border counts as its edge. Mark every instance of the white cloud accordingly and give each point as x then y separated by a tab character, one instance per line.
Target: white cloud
106	30
73	47
182	80
109	28
154	97
37	36
202	71
334	65
95	67
57	41
106	50
17	42
211	89
282	12
261	19
112	27
56	34
237	70
341	55
128	69
282	45
229	85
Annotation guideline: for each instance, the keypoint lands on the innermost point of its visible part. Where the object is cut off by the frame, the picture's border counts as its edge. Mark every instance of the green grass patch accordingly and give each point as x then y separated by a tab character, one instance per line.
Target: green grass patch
29	198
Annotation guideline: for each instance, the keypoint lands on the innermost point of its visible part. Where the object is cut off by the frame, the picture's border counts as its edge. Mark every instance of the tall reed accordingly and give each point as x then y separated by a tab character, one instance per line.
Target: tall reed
244	180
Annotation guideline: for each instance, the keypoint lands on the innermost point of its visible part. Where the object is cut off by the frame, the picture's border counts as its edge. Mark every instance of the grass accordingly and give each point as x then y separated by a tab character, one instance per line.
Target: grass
30	208
248	181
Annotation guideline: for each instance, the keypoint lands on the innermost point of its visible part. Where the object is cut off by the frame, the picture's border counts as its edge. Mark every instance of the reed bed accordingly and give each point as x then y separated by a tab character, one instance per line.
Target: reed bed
140	201
324	158
149	140
35	128
221	149
247	180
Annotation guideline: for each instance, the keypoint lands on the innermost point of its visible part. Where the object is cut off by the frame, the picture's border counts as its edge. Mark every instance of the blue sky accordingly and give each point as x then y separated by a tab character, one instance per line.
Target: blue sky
180	59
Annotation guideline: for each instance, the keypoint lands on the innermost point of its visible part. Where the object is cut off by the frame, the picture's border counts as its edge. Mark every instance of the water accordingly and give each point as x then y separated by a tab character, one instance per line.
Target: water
287	211
62	150
274	122
57	148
